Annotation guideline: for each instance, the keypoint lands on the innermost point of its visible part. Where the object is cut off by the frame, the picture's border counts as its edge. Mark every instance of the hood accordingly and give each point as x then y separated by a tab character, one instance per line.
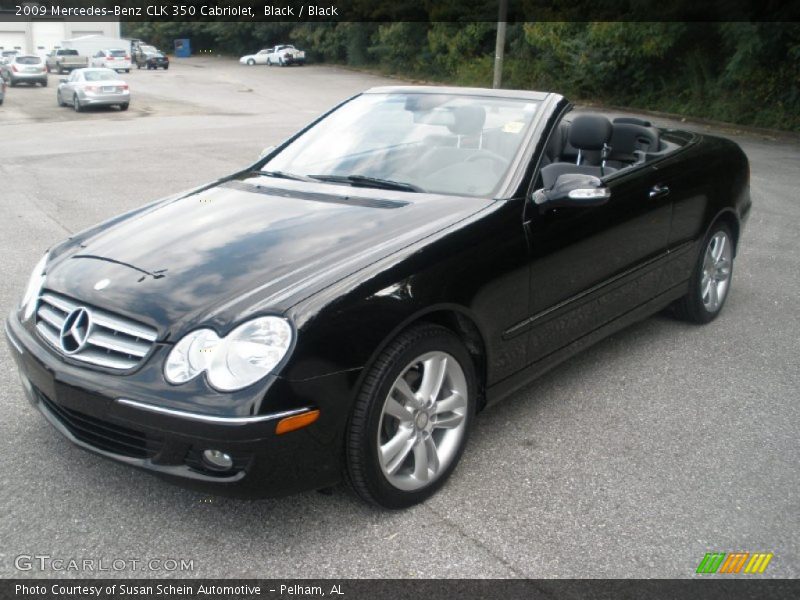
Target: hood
208	256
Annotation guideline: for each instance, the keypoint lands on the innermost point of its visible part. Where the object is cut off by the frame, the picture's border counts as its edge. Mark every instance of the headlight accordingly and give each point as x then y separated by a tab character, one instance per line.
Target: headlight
245	355
35	284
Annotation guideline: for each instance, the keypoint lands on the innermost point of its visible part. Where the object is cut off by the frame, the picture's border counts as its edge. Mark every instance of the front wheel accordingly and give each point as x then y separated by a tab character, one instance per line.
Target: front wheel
711	278
411	419
59	99
76	103
251	62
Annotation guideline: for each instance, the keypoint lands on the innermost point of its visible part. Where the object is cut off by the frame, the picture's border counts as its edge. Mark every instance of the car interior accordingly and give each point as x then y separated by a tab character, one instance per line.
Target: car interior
593	145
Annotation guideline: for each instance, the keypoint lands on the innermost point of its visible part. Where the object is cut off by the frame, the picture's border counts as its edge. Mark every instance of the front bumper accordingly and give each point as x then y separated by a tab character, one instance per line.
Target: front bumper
169	442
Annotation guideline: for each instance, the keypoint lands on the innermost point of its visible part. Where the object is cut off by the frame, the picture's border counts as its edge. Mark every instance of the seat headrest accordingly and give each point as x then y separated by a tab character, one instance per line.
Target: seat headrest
469	120
589	132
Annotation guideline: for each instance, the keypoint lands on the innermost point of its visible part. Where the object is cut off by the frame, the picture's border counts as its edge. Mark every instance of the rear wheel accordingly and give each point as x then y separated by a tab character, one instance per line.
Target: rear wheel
43	83
123	107
411	419
711	278
59	99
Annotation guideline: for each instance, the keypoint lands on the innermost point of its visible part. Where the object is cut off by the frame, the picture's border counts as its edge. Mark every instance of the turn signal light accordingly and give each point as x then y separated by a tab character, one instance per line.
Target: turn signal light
296	422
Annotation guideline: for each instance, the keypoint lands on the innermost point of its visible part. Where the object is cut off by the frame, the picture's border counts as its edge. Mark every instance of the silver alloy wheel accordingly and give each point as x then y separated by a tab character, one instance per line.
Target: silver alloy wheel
423	421
716	274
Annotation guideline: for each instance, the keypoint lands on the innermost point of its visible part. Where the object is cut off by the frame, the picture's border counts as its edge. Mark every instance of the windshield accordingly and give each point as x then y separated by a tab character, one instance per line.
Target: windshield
28	60
149	49
104	75
117	52
442	143
67	53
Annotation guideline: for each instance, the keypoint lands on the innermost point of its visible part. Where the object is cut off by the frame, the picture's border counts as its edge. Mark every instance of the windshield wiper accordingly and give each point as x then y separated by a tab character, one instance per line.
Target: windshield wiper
284	175
373	182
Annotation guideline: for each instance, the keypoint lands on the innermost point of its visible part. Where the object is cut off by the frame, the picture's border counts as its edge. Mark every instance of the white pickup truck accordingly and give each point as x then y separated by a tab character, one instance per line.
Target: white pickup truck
284	55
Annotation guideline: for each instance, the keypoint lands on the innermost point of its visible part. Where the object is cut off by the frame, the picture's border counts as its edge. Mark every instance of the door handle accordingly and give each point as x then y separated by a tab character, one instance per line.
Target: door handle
657	191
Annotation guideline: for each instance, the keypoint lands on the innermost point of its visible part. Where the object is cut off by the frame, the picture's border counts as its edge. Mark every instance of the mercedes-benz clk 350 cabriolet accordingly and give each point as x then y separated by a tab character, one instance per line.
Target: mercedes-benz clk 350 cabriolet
342	308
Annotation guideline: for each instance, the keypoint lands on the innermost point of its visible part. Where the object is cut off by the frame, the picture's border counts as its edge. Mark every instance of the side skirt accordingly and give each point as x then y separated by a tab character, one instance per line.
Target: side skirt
511	384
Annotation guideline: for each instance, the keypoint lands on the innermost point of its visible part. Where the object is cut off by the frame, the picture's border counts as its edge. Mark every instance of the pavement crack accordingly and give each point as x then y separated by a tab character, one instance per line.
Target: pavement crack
480	543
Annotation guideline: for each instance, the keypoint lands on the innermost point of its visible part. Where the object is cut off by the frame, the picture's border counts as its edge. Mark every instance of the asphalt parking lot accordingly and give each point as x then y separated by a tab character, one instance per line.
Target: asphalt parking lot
634	459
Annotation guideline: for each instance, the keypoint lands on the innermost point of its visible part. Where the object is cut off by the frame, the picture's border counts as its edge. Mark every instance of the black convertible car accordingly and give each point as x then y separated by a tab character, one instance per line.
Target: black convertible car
343	307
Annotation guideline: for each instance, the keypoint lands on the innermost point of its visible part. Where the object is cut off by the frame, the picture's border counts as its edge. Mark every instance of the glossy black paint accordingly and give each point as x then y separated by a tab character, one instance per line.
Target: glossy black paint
524	286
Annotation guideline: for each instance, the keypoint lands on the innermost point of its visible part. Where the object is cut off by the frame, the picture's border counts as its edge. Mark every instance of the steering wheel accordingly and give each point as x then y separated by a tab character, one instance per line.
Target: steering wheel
489	155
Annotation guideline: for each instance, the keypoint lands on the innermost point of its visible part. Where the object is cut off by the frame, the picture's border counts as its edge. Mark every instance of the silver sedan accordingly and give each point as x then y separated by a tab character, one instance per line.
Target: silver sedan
93	87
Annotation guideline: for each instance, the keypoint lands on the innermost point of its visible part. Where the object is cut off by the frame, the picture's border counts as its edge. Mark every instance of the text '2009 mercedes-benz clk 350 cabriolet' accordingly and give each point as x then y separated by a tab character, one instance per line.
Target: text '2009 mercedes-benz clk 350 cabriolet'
346	305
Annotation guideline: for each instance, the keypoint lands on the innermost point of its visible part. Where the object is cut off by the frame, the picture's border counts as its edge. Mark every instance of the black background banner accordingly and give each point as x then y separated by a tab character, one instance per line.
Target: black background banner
401	10
526	589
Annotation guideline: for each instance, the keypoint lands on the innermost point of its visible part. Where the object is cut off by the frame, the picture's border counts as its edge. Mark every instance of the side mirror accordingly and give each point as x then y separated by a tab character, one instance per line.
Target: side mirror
573	190
266	151
62	80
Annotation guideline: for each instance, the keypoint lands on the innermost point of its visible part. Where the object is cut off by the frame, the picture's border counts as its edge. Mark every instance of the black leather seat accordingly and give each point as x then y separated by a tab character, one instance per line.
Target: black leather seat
629	140
587	134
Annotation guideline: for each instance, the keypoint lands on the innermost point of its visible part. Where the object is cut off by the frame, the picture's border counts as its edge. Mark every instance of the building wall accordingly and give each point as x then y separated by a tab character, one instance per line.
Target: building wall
40	35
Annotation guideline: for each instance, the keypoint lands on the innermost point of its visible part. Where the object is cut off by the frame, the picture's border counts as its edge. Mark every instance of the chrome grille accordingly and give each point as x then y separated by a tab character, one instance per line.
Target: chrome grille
113	341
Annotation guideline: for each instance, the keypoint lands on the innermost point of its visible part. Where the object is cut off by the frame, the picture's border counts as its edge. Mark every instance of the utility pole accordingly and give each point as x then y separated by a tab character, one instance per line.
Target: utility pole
500	44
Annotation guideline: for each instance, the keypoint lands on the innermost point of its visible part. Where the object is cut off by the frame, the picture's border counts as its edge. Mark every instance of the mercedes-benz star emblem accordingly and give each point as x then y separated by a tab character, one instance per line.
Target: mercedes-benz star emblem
75	330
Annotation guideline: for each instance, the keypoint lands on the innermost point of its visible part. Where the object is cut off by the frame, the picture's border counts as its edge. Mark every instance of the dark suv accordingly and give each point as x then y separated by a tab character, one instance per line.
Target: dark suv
150	57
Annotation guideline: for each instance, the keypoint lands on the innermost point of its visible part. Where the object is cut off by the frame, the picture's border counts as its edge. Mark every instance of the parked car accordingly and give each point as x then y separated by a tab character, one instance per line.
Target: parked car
150	57
7	55
259	58
25	68
116	59
345	305
2	90
64	60
286	55
93	87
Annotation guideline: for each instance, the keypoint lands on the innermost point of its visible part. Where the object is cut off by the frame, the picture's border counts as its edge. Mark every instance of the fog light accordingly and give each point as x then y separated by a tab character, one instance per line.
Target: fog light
218	460
27	389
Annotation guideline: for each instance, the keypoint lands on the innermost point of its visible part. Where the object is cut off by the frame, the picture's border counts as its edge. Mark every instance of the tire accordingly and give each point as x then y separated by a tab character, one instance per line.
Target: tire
123	107
269	63
138	66
398	480
281	62
44	83
59	99
76	103
166	67
711	277
250	62
127	70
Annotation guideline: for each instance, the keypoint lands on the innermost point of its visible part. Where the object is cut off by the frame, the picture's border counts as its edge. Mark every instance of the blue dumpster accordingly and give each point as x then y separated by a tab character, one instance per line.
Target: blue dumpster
183	48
